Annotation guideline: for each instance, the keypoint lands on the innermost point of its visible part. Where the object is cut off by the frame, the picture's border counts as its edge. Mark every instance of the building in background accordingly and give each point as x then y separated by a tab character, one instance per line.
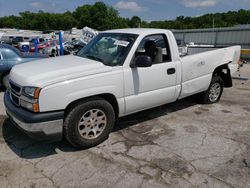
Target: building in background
218	37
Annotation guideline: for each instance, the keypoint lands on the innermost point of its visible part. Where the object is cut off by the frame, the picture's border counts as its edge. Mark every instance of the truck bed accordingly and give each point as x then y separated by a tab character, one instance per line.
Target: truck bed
197	69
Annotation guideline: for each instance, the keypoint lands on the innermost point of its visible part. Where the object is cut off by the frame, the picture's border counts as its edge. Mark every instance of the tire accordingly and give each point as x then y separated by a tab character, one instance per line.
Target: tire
53	53
214	92
88	123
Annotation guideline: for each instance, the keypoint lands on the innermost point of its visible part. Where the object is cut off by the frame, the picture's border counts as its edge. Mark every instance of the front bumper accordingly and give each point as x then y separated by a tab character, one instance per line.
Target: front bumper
40	126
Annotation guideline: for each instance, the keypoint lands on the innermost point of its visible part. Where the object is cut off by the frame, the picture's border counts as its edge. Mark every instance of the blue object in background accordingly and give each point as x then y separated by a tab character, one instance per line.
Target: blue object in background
61	43
12	56
36	46
25	48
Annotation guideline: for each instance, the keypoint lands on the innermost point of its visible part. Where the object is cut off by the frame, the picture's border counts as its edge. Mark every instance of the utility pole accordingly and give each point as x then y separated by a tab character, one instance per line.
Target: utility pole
213	23
215	34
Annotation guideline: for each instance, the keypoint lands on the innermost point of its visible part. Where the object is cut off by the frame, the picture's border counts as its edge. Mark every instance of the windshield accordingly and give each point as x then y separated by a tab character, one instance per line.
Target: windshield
109	48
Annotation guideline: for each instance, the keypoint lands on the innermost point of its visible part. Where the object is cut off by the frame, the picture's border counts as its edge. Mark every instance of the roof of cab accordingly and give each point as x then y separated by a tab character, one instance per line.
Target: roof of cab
138	31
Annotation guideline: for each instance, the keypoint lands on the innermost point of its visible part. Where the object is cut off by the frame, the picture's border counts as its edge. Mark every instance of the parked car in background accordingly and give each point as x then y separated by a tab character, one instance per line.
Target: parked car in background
10	56
66	44
7	41
40	45
75	46
39	40
31	44
53	49
16	40
24	45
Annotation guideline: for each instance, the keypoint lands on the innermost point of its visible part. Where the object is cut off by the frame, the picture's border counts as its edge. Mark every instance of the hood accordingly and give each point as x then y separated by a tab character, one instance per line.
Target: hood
44	72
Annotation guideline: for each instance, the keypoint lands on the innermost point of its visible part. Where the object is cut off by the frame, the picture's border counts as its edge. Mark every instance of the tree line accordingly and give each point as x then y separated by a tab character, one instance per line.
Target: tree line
103	17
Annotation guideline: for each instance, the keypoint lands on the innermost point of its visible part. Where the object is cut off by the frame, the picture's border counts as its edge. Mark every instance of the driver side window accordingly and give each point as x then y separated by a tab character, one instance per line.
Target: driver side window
156	47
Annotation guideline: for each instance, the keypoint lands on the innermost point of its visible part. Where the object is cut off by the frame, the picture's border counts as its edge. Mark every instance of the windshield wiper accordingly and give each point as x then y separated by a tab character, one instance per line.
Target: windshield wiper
94	58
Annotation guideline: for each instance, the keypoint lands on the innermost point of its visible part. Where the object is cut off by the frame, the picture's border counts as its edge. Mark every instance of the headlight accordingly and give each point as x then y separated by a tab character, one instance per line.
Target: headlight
29	98
31	92
34	107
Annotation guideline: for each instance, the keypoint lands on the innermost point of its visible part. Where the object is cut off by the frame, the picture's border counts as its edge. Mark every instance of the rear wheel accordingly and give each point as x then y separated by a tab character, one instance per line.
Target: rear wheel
89	123
214	92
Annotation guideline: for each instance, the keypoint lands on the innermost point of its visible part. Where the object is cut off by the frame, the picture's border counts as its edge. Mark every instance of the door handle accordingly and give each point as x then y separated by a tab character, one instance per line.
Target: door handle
171	71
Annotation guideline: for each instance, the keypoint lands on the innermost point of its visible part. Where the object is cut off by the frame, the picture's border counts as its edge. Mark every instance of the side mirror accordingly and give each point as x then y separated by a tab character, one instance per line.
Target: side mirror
142	61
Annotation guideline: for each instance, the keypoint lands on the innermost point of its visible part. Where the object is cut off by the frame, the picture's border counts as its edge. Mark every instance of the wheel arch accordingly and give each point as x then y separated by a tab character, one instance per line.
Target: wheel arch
224	72
105	96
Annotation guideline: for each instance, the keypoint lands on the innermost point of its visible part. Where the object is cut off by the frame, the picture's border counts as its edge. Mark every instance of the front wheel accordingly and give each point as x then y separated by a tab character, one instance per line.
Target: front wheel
214	92
89	123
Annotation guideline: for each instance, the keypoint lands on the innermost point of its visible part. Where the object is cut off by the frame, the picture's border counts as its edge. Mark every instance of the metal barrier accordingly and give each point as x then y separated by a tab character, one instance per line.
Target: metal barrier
245	52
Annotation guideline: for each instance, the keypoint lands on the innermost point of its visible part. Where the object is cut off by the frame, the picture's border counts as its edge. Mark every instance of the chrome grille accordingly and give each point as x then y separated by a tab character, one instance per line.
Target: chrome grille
15	93
14	99
15	88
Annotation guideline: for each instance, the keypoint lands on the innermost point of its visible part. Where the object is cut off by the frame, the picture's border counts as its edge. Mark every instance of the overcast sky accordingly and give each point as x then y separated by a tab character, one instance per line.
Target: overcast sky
147	9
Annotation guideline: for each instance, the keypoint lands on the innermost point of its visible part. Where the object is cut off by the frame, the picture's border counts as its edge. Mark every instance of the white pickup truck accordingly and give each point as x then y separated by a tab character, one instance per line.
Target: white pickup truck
118	73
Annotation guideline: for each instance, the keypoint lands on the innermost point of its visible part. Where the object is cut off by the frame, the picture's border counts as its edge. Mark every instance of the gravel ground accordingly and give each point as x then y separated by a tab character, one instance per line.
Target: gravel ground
183	144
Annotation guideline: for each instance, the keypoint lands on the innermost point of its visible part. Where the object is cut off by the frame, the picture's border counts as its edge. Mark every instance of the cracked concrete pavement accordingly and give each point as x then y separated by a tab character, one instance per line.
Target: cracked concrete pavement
183	144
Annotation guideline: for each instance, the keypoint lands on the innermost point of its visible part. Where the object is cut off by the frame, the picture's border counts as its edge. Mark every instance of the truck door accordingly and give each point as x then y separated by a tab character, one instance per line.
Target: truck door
148	87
